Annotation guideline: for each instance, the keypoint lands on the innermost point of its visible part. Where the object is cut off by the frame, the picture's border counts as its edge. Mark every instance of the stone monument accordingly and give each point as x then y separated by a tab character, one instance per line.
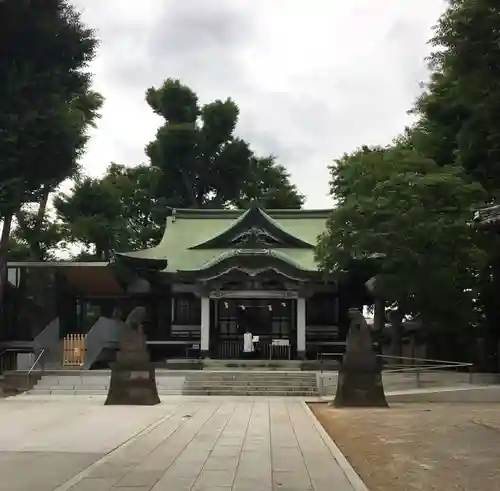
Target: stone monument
360	376
132	374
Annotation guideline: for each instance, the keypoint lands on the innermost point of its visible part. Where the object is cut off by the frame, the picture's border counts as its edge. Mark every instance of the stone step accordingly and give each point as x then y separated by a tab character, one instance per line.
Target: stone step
274	393
71	387
184	387
215	392
257	379
248	377
96	392
252	373
246	383
249	387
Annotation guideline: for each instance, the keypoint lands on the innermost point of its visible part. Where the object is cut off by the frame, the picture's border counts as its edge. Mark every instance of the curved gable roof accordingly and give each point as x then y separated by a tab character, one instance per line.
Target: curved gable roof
187	229
254	219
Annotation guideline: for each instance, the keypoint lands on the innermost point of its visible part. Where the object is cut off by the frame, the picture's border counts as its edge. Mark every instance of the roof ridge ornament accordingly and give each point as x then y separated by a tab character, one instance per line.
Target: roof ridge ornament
255	237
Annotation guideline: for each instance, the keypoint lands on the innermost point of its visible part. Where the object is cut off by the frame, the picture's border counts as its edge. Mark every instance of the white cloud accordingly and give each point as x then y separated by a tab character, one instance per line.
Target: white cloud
313	79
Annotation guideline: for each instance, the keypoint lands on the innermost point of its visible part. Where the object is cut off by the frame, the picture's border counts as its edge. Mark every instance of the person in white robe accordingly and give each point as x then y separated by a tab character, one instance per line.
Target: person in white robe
248	344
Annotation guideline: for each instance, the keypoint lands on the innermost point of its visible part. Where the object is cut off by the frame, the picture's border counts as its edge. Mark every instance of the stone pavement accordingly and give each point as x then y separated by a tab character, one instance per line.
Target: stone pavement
212	444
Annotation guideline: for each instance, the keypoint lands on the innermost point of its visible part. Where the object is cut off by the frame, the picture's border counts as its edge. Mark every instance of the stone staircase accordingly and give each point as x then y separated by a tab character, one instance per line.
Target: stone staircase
241	382
237	383
251	383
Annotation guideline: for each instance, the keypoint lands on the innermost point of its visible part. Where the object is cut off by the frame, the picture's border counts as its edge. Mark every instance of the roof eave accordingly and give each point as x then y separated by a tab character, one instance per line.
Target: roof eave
153	264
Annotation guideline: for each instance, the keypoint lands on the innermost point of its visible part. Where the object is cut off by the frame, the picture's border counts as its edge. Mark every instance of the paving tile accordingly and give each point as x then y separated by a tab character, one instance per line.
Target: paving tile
242	444
140	478
225	451
248	471
253	484
203	487
183	471
220	463
110	470
94	484
292	480
337	483
169	483
230	442
215	478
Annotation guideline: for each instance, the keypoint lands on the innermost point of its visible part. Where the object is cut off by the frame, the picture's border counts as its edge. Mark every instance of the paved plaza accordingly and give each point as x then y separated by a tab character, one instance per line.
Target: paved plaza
62	443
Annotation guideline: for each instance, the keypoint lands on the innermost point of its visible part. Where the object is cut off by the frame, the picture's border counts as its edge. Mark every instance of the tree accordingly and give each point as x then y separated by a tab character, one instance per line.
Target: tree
143	209
458	116
91	214
203	163
269	183
459	110
45	100
118	212
413	216
43	235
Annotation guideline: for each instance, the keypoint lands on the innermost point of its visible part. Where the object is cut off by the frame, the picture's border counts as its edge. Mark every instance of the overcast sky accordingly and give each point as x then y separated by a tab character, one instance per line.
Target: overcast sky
312	79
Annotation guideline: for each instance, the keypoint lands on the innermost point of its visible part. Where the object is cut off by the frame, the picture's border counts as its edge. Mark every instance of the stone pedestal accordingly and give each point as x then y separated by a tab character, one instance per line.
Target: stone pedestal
360	376
133	379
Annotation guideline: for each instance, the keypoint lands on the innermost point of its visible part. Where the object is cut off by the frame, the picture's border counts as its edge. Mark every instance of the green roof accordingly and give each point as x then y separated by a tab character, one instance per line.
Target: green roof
197	239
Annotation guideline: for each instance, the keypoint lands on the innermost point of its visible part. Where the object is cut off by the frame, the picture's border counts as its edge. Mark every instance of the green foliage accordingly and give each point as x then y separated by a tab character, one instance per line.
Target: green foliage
459	110
90	213
44	95
269	183
195	162
18	250
203	163
119	211
43	235
142	211
414	217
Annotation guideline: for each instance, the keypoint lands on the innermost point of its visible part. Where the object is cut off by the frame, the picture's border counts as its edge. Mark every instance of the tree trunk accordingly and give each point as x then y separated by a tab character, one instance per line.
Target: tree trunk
42	208
190	190
4	249
35	246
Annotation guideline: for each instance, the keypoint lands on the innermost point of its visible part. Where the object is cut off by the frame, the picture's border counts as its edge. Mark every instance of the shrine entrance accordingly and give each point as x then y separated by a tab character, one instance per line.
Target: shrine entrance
270	319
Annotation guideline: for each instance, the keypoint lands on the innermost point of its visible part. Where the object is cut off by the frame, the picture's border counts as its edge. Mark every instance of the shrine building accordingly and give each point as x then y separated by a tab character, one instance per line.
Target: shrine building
215	275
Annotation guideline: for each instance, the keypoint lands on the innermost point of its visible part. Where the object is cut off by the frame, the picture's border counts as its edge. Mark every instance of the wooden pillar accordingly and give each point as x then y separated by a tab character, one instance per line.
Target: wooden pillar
205	326
163	301
301	327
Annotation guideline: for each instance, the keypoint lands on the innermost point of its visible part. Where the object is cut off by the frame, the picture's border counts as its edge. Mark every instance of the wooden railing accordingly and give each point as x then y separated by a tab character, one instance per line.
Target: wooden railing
74	350
228	349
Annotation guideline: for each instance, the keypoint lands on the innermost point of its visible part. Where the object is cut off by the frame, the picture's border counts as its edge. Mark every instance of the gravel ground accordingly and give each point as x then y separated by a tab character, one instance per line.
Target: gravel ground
419	447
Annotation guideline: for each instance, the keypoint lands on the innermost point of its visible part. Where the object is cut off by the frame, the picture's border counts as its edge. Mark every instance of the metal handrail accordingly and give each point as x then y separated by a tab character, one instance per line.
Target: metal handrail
424	368
431	365
418	369
33	367
459	363
36	361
